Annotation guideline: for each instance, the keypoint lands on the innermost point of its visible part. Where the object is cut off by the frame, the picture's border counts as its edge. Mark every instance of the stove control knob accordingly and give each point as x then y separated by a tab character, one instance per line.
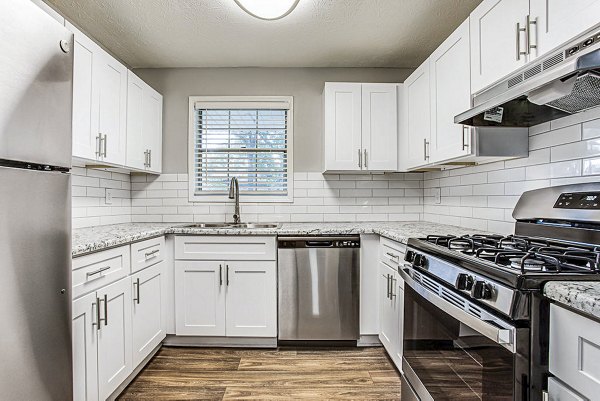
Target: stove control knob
419	260
464	281
409	256
481	290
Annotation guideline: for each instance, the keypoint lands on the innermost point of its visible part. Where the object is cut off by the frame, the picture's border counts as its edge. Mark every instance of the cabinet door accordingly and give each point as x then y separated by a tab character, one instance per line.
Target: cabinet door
494	40
112	107
148	320
450	84
85	143
379	127
85	368
388	320
153	112
417	116
199	298
114	336
343	147
251	299
136	148
558	21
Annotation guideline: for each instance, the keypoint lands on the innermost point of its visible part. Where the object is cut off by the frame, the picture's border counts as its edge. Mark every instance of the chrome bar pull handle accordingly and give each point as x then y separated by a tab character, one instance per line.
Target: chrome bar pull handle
425	150
220	275
136	285
388	286
393	280
97	305
227	275
105	143
359	158
98	141
100	270
391	255
105	318
145	158
519	30
530	22
149	157
465	144
365	154
151	255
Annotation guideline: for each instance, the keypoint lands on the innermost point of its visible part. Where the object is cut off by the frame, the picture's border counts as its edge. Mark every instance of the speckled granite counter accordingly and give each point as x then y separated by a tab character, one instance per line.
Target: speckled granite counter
583	296
92	239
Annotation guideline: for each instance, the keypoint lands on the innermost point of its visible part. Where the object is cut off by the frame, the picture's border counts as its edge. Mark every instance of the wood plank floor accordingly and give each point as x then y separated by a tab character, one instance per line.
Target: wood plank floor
258	374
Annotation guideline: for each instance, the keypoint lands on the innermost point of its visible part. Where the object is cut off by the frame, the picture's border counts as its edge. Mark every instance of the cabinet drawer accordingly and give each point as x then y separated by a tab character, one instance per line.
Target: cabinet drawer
212	247
391	252
147	253
575	350
93	271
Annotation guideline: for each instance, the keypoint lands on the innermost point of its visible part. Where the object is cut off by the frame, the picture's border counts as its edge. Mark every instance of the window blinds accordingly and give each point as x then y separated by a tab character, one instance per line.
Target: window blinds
248	143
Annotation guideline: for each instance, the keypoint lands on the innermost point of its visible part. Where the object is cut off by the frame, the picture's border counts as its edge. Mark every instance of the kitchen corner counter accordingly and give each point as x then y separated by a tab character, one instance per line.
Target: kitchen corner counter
583	296
93	239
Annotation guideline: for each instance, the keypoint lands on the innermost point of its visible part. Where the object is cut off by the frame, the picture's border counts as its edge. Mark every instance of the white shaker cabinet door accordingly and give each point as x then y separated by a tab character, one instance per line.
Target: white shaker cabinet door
200	298
388	318
85	354
558	21
417	117
342	114
153	119
85	141
111	121
450	81
136	147
495	42
148	317
251	298
114	336
379	127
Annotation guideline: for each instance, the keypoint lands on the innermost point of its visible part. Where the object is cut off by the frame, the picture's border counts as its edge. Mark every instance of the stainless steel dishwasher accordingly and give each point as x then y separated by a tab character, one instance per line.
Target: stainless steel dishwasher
318	288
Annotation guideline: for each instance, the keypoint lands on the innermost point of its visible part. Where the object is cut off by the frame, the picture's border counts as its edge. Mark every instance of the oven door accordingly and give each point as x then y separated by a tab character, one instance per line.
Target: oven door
456	350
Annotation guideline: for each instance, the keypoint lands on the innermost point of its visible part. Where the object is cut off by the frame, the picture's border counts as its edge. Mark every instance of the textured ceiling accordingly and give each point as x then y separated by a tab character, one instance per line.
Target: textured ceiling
318	33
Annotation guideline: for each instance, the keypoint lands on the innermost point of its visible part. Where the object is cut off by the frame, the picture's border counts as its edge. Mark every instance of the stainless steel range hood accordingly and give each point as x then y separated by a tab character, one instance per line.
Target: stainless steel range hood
564	82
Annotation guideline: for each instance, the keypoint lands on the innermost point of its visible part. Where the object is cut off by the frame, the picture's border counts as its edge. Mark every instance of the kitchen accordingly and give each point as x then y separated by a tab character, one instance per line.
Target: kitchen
300	199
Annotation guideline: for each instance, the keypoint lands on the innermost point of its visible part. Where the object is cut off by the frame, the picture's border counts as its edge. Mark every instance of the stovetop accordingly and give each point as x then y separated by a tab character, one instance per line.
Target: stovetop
518	261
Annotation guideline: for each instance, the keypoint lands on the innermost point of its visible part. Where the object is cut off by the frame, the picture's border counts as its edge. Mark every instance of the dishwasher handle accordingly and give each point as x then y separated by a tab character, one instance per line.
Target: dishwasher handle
319	244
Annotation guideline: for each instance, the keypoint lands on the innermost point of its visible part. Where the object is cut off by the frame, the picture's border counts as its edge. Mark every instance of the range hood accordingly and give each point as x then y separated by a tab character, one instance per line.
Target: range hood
564	82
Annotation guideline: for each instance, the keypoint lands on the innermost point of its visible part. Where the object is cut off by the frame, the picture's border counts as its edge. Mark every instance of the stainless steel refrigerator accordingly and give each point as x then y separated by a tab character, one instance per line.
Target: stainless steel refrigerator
36	70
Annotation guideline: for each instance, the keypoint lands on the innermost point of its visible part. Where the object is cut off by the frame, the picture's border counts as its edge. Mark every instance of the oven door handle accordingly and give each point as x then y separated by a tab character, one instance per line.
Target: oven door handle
498	331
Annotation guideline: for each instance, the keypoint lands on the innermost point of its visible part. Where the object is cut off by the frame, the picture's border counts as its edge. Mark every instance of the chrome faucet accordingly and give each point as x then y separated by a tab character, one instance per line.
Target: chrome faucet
234	193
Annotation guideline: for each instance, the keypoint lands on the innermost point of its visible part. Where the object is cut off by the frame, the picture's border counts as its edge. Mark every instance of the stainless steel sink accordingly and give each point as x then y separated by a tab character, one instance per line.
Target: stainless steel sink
234	225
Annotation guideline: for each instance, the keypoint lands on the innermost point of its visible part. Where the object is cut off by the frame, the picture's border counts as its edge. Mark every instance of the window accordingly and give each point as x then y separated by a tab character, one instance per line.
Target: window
245	137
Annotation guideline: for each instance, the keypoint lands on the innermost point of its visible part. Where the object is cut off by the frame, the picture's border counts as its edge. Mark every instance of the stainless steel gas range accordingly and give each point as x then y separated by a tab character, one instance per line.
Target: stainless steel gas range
476	324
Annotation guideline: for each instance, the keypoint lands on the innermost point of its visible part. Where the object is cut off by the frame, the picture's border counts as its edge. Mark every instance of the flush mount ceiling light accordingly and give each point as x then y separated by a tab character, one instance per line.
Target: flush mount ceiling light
268	9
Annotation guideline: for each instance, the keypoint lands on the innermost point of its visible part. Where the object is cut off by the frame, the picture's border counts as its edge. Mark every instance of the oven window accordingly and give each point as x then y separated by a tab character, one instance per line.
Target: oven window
451	360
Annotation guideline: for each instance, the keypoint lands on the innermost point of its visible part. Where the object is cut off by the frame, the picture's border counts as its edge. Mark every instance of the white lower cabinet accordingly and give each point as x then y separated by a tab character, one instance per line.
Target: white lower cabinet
102	341
199	298
148	314
226	298
391	298
116	325
251	301
85	348
114	337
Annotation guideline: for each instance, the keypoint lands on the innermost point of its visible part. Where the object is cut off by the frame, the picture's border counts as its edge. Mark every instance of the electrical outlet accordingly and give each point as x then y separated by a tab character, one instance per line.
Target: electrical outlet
437	193
108	198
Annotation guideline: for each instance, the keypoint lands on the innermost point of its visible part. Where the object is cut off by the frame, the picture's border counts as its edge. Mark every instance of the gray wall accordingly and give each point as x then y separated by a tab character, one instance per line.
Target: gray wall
304	84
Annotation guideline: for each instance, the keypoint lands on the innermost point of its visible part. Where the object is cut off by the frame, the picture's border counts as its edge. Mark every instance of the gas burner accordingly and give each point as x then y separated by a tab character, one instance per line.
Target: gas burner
528	265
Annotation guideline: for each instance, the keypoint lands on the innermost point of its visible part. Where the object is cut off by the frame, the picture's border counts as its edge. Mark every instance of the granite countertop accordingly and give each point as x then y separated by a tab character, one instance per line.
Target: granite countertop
93	239
583	296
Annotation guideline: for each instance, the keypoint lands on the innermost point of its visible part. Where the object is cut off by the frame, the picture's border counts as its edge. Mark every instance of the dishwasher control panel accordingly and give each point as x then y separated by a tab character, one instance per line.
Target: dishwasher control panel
319	242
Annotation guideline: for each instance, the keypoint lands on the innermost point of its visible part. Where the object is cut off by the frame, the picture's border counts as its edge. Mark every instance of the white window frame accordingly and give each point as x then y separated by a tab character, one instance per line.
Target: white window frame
231	102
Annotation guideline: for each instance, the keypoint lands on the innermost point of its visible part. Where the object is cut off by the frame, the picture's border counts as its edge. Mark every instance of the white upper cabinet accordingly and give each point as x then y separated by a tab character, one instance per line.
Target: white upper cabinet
497	46
360	127
379	127
85	142
112	109
416	119
450	85
117	117
560	20
343	137
144	126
